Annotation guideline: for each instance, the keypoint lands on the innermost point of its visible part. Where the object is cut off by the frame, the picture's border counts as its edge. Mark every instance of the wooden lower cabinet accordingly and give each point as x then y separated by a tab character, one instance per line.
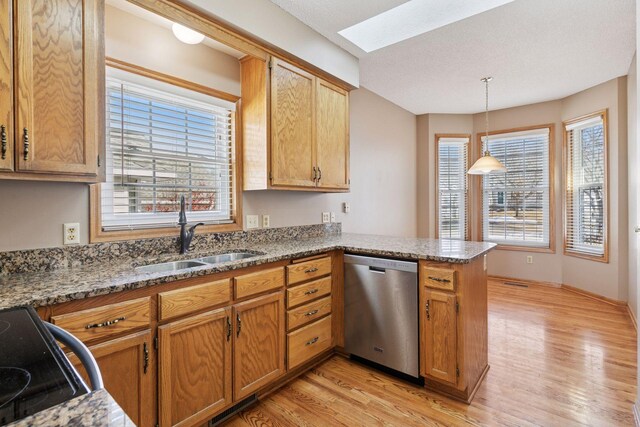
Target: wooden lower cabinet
259	332
440	330
194	368
126	365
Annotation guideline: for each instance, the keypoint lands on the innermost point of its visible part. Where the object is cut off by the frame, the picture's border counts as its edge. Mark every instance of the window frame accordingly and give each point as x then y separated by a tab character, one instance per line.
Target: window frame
97	234
467	210
480	191
604	258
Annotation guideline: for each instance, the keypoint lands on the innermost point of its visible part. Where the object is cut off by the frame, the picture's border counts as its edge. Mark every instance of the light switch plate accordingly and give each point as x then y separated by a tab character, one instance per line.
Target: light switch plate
266	222
252	222
346	207
333	217
71	233
326	217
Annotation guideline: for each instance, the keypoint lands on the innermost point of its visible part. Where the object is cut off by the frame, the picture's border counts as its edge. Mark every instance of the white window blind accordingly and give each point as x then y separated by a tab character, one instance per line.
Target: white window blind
164	142
452	188
585	197
515	208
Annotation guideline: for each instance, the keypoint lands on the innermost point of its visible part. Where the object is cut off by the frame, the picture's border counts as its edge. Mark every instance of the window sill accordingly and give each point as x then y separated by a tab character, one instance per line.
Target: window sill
97	235
597	258
550	250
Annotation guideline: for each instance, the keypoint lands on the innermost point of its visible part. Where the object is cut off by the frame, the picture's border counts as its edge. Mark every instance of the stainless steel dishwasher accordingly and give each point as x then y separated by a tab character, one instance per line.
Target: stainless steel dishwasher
381	312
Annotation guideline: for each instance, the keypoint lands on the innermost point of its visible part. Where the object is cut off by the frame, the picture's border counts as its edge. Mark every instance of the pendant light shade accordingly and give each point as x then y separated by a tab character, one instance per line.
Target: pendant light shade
487	163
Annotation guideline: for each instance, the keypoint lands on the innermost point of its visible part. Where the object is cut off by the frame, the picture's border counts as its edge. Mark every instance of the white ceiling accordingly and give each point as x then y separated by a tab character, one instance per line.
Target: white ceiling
536	50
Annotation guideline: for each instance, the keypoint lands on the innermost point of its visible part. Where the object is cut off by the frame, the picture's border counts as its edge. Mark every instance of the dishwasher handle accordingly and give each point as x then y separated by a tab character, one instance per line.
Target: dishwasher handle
378	270
381	263
80	350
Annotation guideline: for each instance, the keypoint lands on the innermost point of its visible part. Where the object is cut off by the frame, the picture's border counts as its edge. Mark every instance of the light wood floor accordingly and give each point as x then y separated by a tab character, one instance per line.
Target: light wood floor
557	358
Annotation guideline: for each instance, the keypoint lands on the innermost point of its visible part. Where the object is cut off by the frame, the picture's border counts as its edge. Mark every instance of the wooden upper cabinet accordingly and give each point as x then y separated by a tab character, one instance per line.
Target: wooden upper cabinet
332	135
59	75
259	331
127	368
440	335
6	88
194	368
292	132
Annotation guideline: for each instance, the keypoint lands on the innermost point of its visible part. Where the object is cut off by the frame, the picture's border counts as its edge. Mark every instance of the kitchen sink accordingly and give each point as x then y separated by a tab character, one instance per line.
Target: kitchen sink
170	266
230	256
191	263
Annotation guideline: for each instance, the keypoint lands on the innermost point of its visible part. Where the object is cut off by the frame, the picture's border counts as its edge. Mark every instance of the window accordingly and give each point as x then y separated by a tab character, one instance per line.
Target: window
452	208
165	141
586	187
516	206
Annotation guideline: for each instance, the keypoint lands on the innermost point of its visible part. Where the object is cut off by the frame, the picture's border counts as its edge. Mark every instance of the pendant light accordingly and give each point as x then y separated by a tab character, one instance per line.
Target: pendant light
487	163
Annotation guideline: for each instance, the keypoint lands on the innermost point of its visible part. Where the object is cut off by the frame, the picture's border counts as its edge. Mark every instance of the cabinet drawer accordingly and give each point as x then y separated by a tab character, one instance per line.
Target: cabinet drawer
105	321
308	313
297	273
259	282
308	342
439	278
308	292
193	298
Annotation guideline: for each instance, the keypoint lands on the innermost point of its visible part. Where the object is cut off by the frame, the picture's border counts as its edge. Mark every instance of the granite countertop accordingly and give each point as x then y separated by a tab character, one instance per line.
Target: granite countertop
95	409
43	288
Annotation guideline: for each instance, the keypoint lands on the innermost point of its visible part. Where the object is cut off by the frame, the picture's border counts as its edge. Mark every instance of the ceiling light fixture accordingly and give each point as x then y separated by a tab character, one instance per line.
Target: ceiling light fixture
487	163
186	35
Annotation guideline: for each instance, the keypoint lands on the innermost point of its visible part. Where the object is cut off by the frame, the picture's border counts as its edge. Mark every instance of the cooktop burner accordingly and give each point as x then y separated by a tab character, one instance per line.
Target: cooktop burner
34	373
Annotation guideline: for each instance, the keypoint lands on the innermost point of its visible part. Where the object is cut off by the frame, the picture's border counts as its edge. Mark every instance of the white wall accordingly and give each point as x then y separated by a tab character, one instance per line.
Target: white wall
634	185
268	22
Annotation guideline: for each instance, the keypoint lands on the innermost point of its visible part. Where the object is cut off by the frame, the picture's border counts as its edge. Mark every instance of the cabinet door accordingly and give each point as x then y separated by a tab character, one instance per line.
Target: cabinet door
6	87
194	368
258	354
122	363
440	335
59	75
292	133
332	136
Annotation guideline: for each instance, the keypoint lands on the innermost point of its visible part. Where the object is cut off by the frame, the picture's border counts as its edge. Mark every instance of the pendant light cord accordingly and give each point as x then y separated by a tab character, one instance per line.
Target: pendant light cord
486	81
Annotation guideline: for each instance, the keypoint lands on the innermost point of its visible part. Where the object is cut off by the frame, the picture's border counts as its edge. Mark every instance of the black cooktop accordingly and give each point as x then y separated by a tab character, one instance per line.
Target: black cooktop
34	373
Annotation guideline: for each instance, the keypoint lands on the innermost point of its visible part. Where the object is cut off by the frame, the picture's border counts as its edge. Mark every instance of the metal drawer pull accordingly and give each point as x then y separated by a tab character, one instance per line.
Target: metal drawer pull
427	308
103	324
25	138
311	270
3	137
312	291
311	313
239	325
146	358
228	328
438	279
313	341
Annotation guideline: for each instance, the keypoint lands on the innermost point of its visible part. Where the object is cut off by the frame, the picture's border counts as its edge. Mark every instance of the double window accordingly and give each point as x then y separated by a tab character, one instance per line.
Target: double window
164	142
452	208
516	205
586	187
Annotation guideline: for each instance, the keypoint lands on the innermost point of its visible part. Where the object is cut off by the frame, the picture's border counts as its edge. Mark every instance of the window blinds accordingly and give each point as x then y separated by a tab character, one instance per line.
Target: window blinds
452	188
515	208
585	197
160	146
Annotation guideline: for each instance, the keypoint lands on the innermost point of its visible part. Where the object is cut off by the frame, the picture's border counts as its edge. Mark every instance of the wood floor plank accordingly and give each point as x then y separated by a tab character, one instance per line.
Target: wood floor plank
557	359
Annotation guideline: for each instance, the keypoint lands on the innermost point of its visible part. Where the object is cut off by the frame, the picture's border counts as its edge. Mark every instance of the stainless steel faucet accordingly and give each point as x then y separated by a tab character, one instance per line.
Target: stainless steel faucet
185	235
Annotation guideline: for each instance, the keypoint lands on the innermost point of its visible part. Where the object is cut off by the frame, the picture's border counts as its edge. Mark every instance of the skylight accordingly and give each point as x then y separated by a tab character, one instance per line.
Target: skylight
413	18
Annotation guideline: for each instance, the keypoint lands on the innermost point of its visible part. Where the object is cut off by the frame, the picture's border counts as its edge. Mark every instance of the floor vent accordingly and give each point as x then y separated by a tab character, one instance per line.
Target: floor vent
225	415
520	285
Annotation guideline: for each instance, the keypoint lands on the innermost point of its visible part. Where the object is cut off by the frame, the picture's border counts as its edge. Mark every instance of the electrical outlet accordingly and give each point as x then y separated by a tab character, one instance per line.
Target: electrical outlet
252	221
326	217
529	259
266	222
346	207
333	217
71	233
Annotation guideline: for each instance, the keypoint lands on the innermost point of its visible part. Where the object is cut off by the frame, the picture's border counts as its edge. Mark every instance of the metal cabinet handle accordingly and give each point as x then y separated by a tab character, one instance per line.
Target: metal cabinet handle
146	357
25	139
438	279
315	174
103	324
228	328
239	325
319	174
312	291
313	341
3	138
427	308
311	313
311	270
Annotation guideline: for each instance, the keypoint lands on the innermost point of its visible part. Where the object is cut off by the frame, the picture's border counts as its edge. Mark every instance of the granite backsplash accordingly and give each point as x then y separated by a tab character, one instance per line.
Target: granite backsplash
47	259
